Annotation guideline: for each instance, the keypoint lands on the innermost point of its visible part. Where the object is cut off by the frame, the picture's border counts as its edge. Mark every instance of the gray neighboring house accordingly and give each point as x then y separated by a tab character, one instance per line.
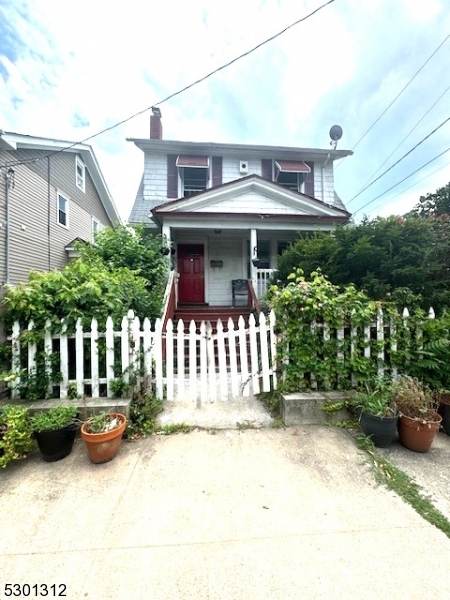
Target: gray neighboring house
229	210
50	196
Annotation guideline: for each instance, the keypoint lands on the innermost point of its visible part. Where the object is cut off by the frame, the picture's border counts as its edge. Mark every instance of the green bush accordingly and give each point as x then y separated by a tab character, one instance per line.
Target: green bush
16	438
54	418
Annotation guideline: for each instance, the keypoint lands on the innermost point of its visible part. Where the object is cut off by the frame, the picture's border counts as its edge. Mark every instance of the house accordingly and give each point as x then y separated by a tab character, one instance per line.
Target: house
52	194
229	210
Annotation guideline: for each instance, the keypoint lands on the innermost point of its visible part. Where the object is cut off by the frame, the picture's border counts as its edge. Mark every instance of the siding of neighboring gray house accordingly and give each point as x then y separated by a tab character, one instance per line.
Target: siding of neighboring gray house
62	175
36	239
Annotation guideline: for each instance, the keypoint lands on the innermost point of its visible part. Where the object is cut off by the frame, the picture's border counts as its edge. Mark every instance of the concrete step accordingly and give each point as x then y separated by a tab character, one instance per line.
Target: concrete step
87	408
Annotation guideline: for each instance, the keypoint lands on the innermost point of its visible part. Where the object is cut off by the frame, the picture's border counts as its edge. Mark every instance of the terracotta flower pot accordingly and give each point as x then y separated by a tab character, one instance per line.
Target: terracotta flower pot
103	447
416	435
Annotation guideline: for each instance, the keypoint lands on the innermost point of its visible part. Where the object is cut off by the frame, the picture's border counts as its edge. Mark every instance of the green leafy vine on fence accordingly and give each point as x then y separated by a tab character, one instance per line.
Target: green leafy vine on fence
313	355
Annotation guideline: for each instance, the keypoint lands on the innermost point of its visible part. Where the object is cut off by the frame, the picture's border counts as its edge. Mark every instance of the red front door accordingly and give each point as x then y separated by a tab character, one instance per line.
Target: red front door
191	285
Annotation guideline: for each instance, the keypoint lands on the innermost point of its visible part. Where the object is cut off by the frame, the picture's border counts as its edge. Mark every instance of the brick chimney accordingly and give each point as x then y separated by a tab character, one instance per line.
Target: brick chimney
155	124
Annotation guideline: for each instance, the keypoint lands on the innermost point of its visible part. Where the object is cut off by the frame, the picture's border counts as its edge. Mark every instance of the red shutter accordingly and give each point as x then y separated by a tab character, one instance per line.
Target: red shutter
172	176
216	171
309	180
266	168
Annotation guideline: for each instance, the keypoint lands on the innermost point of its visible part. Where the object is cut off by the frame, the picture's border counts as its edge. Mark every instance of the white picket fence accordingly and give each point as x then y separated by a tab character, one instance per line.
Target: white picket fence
181	363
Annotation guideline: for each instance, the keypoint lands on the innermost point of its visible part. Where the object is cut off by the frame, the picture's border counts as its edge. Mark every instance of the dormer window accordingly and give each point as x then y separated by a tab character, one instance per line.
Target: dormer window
194	174
80	174
291	174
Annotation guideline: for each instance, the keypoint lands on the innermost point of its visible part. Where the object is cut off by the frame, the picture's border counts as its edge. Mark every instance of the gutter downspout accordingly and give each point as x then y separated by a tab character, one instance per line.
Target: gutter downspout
323	176
9	183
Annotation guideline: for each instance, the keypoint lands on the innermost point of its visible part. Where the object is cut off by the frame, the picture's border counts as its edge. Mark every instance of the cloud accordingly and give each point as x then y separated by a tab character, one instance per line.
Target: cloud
69	74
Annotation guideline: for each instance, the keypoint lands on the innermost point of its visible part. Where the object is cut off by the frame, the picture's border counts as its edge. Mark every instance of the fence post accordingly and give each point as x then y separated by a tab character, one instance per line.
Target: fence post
109	343
64	359
15	358
254	354
180	360
232	356
79	357
48	348
94	359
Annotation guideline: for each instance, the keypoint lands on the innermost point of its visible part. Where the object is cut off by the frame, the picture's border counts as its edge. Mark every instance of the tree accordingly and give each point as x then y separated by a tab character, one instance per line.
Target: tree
406	257
123	270
435	204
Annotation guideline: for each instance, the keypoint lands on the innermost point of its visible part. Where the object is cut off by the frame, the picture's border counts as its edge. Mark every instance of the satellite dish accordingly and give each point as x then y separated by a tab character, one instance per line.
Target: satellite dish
336	133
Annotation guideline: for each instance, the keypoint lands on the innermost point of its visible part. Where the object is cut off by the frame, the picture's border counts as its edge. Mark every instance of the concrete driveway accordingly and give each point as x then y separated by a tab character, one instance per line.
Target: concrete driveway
254	514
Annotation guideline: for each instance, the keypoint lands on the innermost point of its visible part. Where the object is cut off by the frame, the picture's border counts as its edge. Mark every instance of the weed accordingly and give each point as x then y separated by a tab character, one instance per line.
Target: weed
175	428
399	482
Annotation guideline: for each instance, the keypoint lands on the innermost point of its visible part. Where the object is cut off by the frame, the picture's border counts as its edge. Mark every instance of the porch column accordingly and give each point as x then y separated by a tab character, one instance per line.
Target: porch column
253	255
166	234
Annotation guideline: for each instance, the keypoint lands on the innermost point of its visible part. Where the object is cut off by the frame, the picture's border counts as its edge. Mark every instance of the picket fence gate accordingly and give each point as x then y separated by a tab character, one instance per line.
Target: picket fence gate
182	362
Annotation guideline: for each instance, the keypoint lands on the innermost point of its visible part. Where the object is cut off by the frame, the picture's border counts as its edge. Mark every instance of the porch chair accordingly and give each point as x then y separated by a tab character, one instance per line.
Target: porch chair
239	288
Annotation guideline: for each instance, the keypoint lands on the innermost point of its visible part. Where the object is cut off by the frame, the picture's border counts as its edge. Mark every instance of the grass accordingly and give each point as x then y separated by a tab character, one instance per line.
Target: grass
399	482
174	428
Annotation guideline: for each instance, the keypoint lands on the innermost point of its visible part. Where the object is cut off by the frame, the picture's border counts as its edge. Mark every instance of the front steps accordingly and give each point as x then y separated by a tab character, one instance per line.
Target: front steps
199	313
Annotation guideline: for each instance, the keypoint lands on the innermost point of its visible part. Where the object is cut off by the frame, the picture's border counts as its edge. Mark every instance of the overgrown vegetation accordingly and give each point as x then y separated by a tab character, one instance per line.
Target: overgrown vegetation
16	438
405	259
399	482
123	270
325	341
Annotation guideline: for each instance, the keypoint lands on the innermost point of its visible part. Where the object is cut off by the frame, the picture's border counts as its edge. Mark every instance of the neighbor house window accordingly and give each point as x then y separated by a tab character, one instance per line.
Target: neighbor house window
194	174
80	174
95	229
62	209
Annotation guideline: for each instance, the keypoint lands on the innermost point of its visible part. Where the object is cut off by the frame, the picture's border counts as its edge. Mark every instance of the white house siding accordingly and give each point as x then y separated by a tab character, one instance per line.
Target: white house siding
218	280
155	180
231	171
251	203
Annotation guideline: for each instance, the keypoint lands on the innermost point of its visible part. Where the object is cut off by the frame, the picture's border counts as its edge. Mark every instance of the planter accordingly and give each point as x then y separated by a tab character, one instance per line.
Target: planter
56	444
381	430
417	435
443	400
104	446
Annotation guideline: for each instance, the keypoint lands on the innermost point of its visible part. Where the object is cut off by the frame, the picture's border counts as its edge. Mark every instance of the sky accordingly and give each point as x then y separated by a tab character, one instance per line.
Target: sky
68	70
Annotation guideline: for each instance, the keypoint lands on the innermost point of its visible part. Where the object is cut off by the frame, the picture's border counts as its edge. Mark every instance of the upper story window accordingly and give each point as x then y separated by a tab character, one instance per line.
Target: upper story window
291	174
62	209
194	174
95	229
80	174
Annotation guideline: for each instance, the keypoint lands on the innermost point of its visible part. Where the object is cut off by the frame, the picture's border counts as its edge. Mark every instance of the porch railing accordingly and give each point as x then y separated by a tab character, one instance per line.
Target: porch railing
263	277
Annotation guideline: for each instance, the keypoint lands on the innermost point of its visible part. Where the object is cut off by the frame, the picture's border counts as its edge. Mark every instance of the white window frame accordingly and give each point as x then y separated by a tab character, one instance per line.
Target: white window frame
95	228
60	194
80	180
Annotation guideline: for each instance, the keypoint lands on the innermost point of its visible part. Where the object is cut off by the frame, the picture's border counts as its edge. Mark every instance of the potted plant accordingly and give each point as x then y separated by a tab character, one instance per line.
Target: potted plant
55	430
378	412
419	420
102	435
16	437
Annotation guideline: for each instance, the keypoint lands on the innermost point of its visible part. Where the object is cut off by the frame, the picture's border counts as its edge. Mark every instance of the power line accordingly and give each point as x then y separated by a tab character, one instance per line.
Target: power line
404	179
397	96
399	160
406	137
191	85
413	185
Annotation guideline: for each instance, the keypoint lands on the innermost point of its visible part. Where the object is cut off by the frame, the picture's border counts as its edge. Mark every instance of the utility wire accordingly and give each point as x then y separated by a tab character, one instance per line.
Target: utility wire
412	185
404	139
397	96
191	85
399	160
404	179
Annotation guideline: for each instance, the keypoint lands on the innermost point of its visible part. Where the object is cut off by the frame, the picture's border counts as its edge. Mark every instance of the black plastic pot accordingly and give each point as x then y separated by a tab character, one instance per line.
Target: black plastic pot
444	411
382	430
56	443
